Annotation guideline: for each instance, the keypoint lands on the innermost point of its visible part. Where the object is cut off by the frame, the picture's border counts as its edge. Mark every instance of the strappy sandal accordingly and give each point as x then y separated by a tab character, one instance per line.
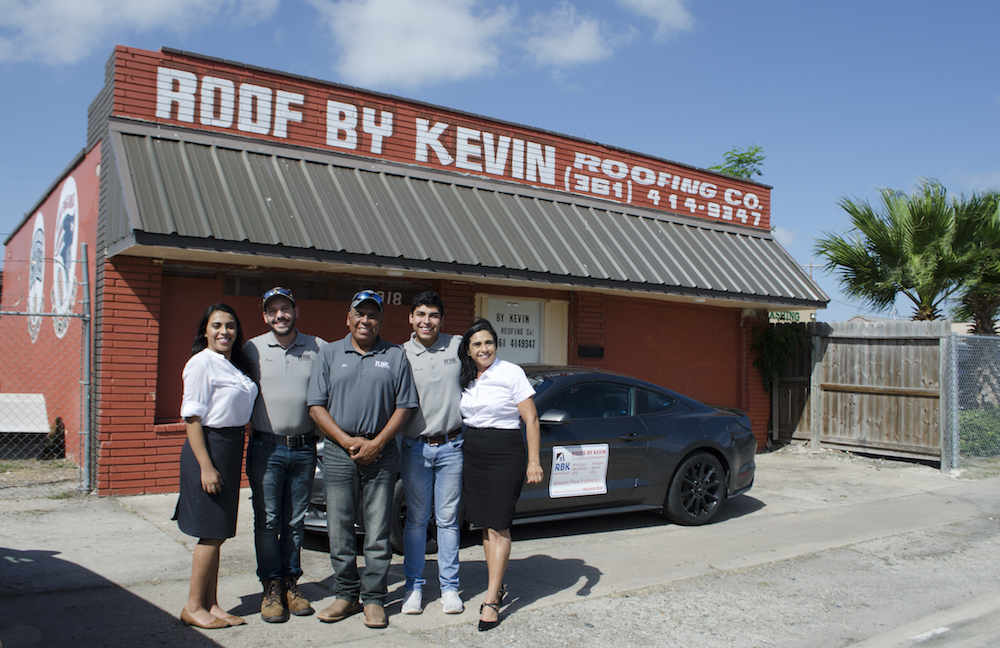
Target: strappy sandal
489	625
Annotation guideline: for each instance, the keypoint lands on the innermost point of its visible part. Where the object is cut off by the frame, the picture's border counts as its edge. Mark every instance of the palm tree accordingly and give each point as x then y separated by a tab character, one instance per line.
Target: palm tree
924	245
980	298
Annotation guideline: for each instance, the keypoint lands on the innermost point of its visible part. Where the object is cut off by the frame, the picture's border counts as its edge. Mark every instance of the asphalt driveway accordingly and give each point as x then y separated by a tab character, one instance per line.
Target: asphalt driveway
825	550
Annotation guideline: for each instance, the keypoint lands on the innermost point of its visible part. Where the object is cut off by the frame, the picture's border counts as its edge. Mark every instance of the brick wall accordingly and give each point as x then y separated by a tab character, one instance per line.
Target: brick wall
758	400
130	457
460	305
586	327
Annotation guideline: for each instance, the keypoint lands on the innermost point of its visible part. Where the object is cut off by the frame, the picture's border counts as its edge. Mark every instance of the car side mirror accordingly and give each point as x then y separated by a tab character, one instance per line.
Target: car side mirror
555	417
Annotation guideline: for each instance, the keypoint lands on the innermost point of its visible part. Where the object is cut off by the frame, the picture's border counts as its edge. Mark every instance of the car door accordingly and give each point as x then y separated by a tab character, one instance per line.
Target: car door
600	413
670	427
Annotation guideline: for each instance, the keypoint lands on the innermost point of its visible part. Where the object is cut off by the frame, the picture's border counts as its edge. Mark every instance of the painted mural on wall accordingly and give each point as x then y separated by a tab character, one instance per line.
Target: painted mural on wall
214	95
64	253
43	282
36	277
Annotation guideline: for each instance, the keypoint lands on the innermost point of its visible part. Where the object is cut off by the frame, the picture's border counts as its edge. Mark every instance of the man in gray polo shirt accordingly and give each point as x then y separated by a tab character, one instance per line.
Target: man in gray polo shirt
281	458
431	462
360	395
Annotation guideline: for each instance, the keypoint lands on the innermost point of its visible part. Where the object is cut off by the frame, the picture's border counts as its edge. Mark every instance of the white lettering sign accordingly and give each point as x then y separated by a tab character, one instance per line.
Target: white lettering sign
579	470
613	179
259	107
518	324
255	108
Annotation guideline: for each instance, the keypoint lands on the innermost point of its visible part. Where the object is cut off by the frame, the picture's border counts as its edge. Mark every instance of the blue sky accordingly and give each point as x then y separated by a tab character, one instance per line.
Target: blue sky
843	97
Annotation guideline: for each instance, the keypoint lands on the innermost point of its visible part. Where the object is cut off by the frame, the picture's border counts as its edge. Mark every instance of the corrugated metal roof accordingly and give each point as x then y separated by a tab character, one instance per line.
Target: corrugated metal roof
202	187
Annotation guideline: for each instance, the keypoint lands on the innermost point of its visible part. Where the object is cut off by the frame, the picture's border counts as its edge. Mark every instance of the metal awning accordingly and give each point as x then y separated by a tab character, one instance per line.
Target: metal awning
182	189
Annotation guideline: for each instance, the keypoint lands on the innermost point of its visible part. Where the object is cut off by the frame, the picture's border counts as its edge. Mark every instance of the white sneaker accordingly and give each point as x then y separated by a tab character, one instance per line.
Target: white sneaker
452	602
413	603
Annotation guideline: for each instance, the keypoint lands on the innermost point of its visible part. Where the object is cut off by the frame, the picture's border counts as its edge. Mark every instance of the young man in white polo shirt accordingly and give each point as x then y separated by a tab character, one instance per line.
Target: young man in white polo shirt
431	461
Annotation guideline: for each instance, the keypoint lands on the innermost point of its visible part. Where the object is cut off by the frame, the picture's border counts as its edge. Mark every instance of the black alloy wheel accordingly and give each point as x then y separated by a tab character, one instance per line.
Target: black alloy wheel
696	491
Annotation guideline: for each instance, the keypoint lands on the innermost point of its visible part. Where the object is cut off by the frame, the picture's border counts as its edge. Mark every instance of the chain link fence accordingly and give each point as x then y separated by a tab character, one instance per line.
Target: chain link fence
44	380
975	381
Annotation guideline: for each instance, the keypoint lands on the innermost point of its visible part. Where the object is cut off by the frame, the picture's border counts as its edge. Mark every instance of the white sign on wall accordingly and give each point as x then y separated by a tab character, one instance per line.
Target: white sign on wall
518	324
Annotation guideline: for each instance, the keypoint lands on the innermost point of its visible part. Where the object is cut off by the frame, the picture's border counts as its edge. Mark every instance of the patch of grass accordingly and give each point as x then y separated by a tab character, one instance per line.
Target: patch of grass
979	468
12	465
64	495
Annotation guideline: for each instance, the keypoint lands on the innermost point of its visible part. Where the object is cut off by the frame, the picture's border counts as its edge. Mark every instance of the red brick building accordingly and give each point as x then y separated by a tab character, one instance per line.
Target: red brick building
206	180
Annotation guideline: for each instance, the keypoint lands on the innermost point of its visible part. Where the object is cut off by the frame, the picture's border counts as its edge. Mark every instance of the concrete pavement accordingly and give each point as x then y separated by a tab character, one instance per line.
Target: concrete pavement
113	571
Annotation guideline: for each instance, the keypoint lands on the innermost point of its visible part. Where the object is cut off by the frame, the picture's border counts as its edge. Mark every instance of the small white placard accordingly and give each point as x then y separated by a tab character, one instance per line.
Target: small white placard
518	324
579	470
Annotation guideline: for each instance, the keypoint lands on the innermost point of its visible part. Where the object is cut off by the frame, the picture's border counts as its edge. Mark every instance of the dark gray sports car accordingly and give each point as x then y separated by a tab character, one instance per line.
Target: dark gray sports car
613	444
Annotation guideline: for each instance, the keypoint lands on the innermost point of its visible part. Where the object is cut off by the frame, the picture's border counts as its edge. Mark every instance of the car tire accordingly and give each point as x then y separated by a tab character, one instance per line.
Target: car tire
697	490
397	523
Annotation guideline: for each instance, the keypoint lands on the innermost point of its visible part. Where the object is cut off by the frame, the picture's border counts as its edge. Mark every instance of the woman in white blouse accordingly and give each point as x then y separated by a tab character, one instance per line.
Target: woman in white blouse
496	397
217	403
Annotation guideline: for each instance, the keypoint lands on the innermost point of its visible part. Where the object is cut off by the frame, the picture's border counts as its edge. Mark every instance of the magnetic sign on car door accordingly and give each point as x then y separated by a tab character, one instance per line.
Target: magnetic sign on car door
579	470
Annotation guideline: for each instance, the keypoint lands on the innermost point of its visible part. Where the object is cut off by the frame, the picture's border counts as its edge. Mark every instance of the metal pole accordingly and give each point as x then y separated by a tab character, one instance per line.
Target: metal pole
87	382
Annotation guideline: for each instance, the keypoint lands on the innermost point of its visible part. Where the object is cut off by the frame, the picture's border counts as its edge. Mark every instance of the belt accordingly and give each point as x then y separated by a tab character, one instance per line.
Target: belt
284	439
441	439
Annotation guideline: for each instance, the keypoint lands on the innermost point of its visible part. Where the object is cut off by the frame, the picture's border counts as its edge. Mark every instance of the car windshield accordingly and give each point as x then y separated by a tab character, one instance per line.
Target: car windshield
540	382
543	379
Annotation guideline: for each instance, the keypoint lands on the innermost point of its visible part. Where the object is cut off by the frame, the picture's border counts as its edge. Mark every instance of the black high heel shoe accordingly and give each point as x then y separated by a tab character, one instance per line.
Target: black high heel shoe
489	625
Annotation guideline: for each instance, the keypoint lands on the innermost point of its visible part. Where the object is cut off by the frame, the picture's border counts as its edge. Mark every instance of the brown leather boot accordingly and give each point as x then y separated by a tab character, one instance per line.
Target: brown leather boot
297	604
272	607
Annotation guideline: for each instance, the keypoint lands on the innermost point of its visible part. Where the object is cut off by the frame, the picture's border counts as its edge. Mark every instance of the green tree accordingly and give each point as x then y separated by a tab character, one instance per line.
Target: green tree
980	303
979	300
924	245
741	163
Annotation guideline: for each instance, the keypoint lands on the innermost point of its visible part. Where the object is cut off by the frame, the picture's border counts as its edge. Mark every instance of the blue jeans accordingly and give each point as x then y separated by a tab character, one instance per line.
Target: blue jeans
281	479
348	485
431	473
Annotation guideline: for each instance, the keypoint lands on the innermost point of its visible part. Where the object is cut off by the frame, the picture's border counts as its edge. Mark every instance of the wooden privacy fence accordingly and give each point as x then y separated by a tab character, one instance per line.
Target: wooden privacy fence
873	387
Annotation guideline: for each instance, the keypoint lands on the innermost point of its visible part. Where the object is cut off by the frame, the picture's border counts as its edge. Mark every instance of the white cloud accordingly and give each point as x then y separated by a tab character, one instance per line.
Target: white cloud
65	31
669	15
981	181
412	42
785	237
563	38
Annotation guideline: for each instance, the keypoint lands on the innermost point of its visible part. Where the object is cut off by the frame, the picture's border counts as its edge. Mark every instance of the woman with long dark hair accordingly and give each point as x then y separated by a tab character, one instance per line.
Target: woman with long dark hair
217	403
496	397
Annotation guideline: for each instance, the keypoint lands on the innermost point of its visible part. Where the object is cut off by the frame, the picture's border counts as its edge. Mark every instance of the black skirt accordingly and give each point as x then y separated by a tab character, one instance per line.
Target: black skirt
493	471
200	514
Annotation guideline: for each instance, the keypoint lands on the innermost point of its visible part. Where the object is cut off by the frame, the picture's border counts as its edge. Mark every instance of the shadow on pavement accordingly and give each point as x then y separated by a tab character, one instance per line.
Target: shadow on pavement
51	602
732	509
536	577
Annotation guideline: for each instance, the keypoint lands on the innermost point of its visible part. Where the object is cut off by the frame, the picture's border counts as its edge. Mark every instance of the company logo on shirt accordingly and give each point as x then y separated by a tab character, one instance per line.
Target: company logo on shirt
450	361
382	364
